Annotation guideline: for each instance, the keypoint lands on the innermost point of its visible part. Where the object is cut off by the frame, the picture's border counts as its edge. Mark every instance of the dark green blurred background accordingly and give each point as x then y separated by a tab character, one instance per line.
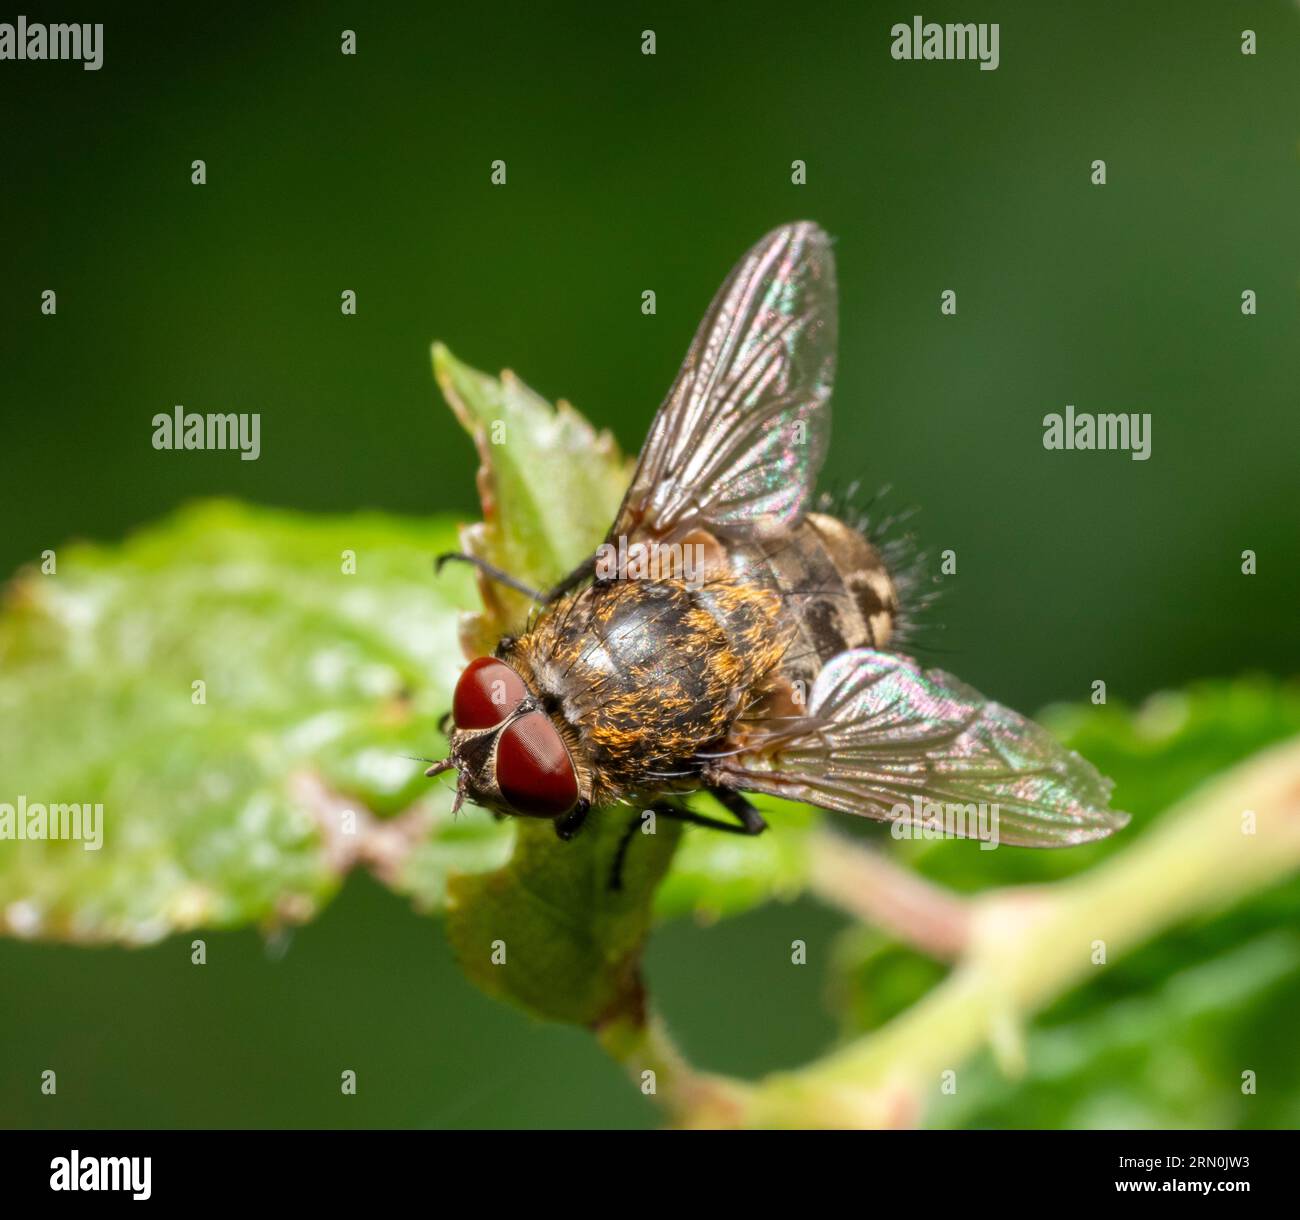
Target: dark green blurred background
626	173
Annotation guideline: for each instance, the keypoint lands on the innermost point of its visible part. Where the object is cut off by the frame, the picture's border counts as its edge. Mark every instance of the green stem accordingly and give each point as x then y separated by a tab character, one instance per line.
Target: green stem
1027	946
871	887
658	1068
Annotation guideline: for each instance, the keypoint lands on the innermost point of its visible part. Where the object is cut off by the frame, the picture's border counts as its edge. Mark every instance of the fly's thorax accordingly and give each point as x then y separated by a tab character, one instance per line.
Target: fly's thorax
646	673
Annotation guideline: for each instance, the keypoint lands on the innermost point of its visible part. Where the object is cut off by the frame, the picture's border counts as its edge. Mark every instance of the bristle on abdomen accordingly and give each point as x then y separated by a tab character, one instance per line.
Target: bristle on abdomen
897	547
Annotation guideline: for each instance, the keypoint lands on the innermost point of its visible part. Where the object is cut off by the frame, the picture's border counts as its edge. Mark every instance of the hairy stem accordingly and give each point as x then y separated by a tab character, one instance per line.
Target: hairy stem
659	1069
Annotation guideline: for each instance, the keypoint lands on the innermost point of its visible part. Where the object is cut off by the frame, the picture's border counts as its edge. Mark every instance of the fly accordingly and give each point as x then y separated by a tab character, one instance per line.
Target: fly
729	637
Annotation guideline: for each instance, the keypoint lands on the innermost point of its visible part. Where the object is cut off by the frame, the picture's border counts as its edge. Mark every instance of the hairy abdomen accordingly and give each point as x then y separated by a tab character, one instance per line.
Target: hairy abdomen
836	592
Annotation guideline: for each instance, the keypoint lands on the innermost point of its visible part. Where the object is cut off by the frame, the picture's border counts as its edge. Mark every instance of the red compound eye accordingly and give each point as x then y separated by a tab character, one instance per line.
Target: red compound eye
534	770
488	691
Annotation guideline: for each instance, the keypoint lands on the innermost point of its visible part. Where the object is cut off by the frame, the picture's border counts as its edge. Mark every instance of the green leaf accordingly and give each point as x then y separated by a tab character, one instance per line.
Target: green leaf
319	683
226	803
319	686
549	484
548	933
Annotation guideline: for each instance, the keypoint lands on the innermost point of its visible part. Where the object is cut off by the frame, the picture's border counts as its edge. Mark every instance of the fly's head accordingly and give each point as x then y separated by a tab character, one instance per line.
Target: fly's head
509	753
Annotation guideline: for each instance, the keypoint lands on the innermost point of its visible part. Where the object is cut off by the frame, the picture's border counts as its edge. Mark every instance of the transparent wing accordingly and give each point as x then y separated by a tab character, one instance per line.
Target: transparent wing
890	741
737	443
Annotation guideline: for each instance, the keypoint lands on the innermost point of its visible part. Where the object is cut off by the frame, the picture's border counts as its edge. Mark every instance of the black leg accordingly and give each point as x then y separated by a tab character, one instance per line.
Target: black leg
751	823
620	854
699	819
489	570
738	803
568	825
574	578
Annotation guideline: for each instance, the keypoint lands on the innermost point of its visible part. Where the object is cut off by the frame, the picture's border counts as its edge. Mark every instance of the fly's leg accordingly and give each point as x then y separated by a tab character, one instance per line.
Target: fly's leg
585	569
751	823
620	853
700	819
568	825
489	570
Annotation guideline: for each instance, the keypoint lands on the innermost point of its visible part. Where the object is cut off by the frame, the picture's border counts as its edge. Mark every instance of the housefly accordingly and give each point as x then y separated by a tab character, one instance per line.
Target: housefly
731	638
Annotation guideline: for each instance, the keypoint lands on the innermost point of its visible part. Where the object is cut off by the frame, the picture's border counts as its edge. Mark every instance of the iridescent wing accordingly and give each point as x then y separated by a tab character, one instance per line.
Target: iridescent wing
737	443
888	740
